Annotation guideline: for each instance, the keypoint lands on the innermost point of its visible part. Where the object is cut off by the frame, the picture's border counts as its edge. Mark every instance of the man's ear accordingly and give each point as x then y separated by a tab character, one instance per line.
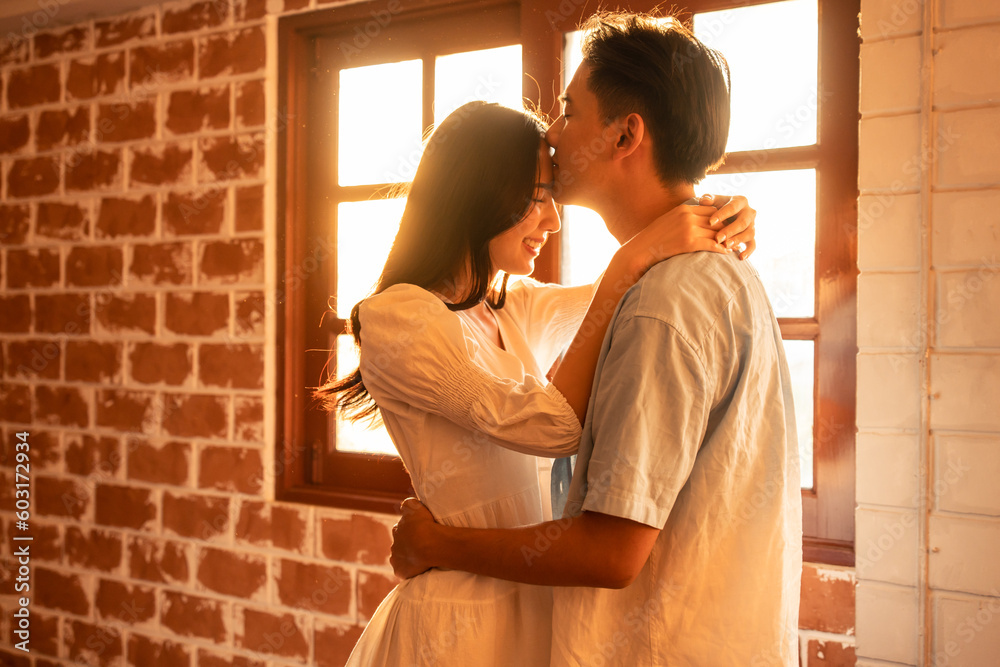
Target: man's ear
629	133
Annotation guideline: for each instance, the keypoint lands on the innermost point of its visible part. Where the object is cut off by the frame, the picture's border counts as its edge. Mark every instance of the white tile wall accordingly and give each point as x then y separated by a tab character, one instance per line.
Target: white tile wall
969	229
892	82
966	631
889	231
967	472
885	546
888	388
966	390
889	153
968	308
888	18
886	622
966	145
896	297
955	82
888	469
963	554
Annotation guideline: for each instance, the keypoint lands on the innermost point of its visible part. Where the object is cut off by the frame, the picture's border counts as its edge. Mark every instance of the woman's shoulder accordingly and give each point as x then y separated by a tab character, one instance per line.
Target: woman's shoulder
403	300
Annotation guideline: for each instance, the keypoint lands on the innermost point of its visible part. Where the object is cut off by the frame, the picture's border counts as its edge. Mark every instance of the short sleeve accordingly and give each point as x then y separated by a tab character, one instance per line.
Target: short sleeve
415	355
548	314
650	413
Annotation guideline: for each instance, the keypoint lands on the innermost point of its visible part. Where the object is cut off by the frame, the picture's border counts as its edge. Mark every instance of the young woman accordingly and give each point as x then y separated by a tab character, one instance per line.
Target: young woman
454	358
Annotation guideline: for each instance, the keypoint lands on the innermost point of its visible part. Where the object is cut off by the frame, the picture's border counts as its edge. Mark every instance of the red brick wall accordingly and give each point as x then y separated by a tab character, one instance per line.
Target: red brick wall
132	323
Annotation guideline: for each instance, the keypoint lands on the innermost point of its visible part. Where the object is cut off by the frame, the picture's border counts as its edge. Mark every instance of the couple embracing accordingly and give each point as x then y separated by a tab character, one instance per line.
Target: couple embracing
673	392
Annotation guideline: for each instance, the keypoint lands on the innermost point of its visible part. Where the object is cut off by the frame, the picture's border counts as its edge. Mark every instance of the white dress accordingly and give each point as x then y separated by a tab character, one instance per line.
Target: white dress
468	419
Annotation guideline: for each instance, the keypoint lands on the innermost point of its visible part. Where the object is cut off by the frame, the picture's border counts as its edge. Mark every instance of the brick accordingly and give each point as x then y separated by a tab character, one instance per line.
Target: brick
62	313
119	30
210	659
196	416
158	561
231	469
889	153
33	177
15	402
144	651
124	506
196	516
228	573
966	470
63	221
237	52
14	51
887	622
963	147
966	316
11	657
192	616
971	235
60	497
333	643
886	545
14	222
32	268
830	653
198	110
158	363
248	419
890	80
225	158
228	262
62	127
237	366
258	626
885	469
93	170
890	306
888	391
162	165
250	208
359	539
291	5
116	601
196	313
955	82
965	388
97	76
162	63
94	266
965	12
66	406
249	10
46	448
195	16
88	454
133	313
119	216
125	410
250	103
45	638
372	589
266	524
827	600
314	587
30	86
961	553
37	358
46	543
965	629
63	592
92	644
14	133
93	549
200	212
120	121
883	19
159	462
61	42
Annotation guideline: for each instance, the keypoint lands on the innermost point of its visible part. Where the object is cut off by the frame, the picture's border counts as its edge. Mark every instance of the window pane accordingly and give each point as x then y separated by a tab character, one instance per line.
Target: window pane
772	54
800	364
365	231
354	436
572	56
587	246
491	75
380	122
786	232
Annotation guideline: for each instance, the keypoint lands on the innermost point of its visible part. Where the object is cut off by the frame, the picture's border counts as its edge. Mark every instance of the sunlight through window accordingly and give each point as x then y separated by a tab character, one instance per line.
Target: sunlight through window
491	75
365	231
801	364
351	436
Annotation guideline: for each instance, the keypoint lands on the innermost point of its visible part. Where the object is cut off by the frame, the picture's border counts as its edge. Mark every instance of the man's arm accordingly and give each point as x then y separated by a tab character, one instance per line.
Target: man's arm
593	549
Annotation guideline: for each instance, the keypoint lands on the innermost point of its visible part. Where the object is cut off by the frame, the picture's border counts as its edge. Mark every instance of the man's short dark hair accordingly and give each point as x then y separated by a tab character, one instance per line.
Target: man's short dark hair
655	67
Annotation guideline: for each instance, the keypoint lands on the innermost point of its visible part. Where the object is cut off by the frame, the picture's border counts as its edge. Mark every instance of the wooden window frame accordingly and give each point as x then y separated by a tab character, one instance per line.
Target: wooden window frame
379	483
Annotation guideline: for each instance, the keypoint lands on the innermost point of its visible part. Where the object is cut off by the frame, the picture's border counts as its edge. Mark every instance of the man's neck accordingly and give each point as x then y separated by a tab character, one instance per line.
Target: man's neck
631	212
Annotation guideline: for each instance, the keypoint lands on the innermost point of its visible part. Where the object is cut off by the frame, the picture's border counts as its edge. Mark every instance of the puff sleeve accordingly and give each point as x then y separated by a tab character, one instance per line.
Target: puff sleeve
415	356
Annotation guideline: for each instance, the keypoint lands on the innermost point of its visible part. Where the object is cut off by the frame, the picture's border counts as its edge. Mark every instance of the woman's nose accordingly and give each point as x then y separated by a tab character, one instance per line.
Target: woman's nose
552	134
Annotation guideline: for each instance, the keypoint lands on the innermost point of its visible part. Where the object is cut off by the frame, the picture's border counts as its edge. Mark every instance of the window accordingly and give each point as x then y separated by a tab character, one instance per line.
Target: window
366	81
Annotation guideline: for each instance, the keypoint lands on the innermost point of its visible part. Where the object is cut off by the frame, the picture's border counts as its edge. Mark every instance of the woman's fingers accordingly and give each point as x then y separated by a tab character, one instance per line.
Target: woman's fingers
734	205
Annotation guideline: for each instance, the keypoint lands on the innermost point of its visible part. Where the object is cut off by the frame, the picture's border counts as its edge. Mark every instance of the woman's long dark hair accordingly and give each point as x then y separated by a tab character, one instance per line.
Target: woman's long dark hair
476	179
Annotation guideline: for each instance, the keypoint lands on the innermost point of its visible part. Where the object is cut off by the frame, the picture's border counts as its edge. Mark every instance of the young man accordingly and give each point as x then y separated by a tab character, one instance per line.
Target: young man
681	540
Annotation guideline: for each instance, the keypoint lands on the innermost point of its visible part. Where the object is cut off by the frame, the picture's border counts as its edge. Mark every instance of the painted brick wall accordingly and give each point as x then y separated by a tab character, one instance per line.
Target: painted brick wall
928	518
135	350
